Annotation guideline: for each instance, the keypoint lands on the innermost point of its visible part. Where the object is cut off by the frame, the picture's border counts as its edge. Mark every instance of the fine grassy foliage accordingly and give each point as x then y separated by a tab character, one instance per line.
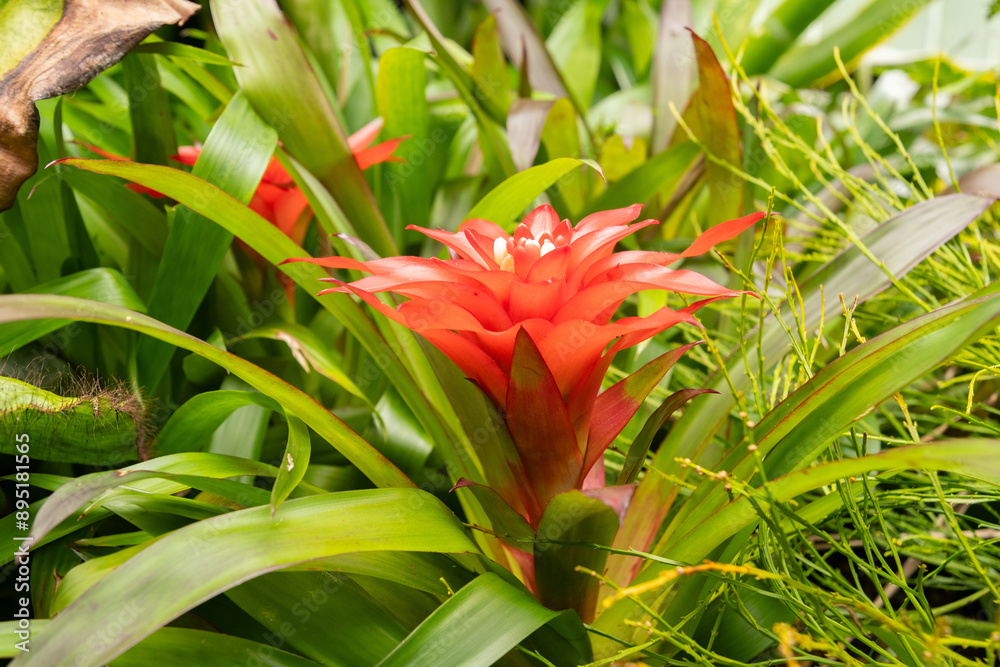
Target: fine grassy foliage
238	469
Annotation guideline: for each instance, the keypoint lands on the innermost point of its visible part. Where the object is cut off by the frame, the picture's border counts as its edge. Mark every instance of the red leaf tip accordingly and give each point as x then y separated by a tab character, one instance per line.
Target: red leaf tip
461	484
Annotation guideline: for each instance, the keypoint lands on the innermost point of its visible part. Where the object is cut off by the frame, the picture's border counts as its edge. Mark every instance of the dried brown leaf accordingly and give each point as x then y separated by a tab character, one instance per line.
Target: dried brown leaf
91	36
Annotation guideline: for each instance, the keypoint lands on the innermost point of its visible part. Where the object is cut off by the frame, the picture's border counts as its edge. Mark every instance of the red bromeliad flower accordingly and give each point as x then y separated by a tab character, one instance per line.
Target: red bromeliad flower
277	198
529	317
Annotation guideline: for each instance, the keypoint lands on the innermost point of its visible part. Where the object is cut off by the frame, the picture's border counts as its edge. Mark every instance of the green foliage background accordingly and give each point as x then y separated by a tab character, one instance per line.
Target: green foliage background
228	469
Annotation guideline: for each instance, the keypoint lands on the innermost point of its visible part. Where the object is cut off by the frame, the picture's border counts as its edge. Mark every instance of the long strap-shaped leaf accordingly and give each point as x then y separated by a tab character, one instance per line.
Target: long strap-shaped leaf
818	412
173	474
873	22
525	47
178	646
234	158
17	308
794	432
69	498
481	622
283	88
107	285
793	17
203	559
275	247
508	200
901	242
721	134
979	459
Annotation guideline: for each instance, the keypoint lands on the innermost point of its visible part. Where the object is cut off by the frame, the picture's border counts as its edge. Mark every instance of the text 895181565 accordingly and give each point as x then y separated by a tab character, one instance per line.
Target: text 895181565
22	518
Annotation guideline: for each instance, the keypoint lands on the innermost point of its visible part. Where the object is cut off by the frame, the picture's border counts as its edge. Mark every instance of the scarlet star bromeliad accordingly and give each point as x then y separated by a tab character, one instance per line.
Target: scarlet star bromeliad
277	199
529	317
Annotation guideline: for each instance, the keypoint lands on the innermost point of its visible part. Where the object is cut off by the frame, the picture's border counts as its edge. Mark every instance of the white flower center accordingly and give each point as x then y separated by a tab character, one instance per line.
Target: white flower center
500	250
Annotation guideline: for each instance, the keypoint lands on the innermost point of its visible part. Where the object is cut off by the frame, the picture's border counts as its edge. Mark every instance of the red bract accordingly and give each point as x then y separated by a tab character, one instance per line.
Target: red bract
277	198
529	317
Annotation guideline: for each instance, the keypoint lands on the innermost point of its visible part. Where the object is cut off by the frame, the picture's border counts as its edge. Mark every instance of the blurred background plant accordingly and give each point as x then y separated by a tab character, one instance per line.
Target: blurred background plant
868	127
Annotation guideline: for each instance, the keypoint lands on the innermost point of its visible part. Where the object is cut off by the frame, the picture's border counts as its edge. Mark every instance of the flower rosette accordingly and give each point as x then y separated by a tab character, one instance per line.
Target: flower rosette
529	317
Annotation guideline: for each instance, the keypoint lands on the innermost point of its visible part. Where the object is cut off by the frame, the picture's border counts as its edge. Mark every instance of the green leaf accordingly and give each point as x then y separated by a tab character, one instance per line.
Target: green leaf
234	158
873	23
185	51
511	527
180	646
140	496
400	436
334	33
721	132
639	25
508	200
402	103
180	79
190	428
489	69
636	456
900	243
153	138
100	429
471	620
14	308
242	433
561	138
575	46
573	517
274	246
169	577
44	225
779	32
283	88
659	173
176	646
69	498
310	352
294	463
735	636
343	626
127	212
18	268
486	113
525	47
24	23
107	285
48	569
426	572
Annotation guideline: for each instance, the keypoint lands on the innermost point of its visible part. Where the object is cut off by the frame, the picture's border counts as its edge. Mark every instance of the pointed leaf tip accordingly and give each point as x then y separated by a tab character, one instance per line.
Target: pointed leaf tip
461	484
616	406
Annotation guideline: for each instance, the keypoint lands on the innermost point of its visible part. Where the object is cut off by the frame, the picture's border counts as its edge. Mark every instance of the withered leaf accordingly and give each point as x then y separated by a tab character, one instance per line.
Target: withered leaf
91	36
